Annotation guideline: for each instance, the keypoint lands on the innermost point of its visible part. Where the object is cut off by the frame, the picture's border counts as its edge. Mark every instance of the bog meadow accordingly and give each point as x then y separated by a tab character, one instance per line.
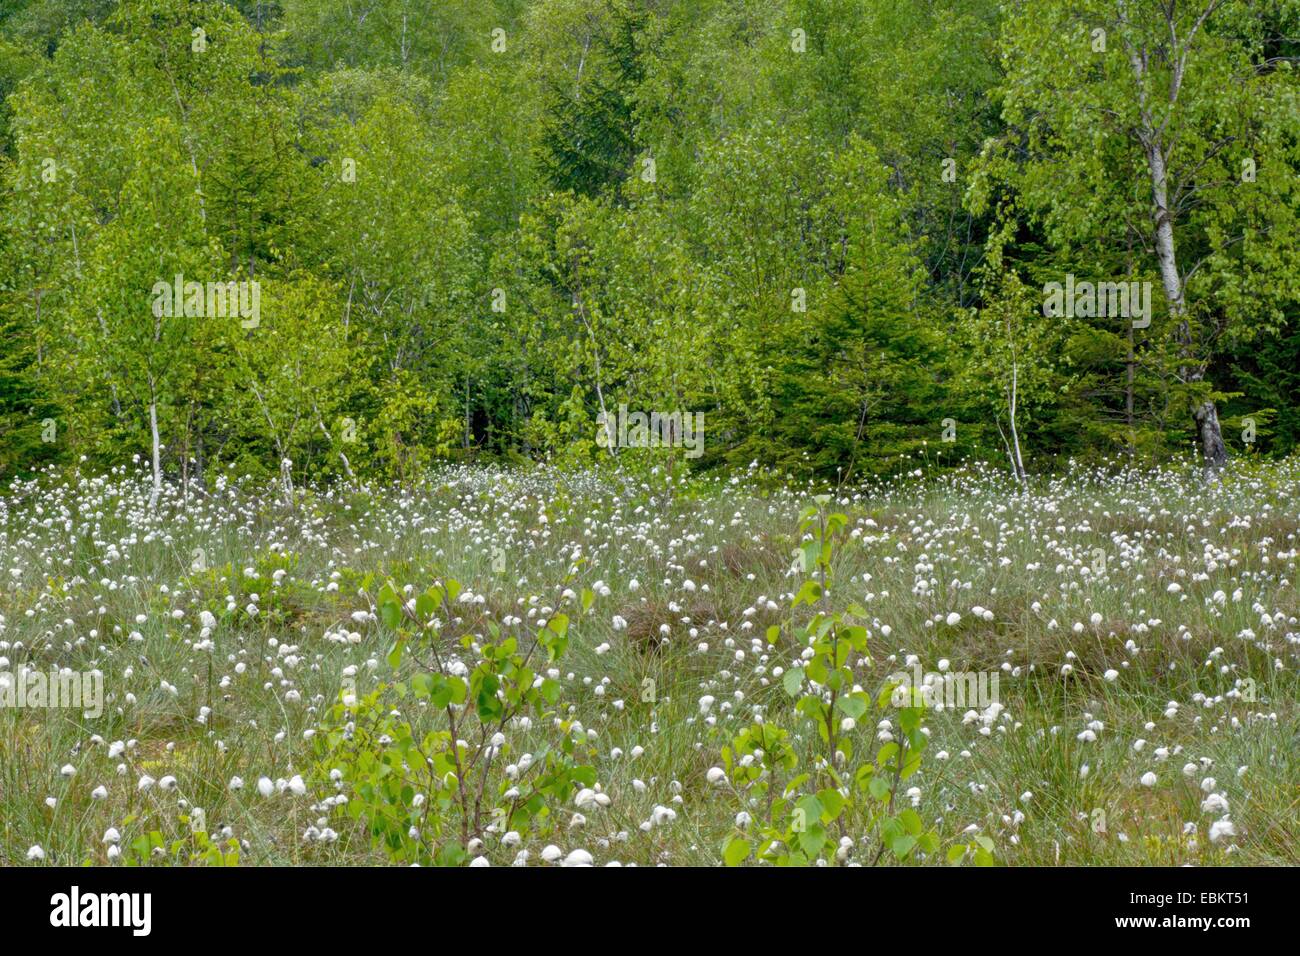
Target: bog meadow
649	432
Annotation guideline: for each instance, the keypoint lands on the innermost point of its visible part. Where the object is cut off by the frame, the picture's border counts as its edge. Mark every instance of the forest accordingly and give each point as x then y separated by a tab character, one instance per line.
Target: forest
841	232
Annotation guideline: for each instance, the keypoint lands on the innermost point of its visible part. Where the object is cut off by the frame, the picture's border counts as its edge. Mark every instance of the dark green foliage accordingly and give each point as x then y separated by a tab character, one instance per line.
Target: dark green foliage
29	419
1268	375
590	135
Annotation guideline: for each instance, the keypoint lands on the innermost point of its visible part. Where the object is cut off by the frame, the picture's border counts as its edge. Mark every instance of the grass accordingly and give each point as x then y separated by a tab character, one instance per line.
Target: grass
1144	609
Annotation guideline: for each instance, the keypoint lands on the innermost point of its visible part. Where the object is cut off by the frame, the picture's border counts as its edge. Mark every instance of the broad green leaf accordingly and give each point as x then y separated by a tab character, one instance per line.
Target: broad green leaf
792	681
736	851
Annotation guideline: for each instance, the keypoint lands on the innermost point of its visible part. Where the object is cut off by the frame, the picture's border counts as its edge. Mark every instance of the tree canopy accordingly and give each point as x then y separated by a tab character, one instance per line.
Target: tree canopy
476	230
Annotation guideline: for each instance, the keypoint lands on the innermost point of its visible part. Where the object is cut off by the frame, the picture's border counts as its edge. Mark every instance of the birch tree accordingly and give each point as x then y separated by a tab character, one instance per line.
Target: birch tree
1178	102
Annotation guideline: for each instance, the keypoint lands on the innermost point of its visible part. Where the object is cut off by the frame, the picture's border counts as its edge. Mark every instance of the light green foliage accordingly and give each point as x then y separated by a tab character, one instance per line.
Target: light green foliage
821	223
328	34
1118	112
810	803
426	790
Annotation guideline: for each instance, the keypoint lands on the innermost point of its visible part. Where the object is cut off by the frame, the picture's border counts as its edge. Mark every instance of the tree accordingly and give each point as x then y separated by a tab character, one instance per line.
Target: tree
590	137
1176	102
292	371
422	38
402	250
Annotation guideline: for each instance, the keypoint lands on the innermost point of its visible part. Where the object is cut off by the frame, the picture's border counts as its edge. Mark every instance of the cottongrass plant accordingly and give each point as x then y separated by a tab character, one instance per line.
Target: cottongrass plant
1143	628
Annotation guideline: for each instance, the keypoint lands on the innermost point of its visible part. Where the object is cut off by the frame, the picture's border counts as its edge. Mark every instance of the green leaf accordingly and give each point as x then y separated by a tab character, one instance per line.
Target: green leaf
391	614
441	691
425	606
810	593
459	689
909	719
551	690
813	839
452	854
903	845
792	681
812	808
736	851
832	803
853	706
811	552
910	765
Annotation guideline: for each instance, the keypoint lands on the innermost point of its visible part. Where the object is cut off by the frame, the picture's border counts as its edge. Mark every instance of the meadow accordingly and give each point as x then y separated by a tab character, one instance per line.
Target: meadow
535	667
